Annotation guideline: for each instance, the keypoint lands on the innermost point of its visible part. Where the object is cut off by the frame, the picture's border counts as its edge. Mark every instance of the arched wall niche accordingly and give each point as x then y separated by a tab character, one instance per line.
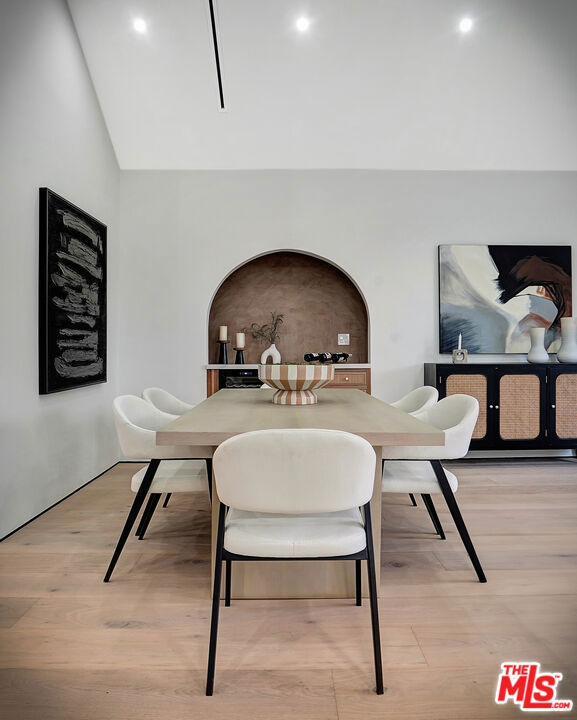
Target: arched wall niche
318	300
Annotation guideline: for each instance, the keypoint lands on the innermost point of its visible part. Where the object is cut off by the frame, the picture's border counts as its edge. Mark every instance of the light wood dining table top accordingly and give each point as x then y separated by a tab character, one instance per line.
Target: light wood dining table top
231	412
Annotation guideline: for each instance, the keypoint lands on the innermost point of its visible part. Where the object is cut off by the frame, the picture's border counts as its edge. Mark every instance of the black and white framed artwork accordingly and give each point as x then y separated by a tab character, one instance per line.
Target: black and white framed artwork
72	302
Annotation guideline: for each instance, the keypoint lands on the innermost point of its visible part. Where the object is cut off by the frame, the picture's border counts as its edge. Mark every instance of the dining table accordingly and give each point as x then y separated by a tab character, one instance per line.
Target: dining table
231	412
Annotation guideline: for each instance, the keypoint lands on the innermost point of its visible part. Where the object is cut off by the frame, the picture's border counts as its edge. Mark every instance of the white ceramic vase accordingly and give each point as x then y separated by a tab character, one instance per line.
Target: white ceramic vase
568	351
537	353
271	353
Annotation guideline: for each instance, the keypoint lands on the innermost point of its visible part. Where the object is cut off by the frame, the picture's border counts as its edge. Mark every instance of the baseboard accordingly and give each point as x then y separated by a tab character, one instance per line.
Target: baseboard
504	454
61	500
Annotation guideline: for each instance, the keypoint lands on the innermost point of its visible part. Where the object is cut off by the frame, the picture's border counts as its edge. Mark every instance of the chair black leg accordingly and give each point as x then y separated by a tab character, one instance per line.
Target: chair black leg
358	591
132	515
166	499
374	601
208	462
215	601
150	508
428	502
227	581
413	499
458	518
144	516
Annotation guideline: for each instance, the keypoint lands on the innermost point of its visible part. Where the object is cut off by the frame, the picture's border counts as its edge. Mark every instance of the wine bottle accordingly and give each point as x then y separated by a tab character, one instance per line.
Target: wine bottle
340	357
318	357
326	357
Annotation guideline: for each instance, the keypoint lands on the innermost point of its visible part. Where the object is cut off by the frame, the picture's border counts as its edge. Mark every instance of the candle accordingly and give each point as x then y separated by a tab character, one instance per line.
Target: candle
459	345
223	333
240	340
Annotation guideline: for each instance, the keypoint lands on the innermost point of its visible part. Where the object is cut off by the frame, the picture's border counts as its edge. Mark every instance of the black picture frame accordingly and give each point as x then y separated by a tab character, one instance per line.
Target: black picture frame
72	296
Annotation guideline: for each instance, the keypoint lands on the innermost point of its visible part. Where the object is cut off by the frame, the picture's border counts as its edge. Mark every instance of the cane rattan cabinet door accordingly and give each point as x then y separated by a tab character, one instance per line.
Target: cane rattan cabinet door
562	405
474	384
474	380
519	406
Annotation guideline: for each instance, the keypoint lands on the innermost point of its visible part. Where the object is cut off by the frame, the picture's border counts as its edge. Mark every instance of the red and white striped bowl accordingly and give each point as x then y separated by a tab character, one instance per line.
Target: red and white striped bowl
295	383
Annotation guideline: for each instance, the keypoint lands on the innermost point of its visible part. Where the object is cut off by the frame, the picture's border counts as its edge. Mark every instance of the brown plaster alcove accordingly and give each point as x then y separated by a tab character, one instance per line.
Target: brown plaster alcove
317	299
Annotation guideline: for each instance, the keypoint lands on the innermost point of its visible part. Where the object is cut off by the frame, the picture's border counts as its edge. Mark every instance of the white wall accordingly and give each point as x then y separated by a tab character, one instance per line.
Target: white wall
52	134
182	232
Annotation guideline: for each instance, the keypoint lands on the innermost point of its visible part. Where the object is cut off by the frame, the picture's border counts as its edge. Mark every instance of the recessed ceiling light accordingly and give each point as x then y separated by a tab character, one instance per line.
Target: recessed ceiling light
303	24
466	25
139	25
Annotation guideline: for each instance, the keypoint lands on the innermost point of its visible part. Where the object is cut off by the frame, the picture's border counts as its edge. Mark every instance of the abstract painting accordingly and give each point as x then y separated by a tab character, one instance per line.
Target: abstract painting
494	294
72	308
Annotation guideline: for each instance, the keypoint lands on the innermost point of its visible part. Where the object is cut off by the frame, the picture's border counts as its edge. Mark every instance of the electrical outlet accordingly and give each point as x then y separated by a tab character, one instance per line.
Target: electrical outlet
343	339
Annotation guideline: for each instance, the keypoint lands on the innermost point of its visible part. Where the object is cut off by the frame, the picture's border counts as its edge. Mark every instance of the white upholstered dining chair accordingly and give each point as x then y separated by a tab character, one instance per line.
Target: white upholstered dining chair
168	403
416	401
165	401
294	495
419	469
136	423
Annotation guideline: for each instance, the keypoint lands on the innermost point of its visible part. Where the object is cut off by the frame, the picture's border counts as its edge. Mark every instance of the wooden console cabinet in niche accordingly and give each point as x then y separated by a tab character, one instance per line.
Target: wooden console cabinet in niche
345	377
521	406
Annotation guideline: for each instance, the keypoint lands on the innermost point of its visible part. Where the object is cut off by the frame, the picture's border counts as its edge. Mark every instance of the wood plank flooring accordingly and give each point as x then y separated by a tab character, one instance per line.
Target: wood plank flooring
73	648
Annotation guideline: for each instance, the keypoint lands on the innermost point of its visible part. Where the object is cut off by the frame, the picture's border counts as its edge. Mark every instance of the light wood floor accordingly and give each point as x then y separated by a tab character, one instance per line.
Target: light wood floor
72	648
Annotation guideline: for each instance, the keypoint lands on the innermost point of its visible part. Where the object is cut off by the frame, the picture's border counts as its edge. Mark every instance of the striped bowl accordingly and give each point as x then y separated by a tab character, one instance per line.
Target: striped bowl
295	383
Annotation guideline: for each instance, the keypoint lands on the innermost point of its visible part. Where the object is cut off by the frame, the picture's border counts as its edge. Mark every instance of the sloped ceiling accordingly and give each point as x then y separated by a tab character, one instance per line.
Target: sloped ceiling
372	84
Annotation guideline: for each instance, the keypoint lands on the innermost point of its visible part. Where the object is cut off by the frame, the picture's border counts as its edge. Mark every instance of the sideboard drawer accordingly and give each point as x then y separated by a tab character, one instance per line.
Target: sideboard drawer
358	379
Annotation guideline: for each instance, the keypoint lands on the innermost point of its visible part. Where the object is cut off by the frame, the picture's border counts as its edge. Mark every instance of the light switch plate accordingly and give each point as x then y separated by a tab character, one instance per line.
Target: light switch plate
343	339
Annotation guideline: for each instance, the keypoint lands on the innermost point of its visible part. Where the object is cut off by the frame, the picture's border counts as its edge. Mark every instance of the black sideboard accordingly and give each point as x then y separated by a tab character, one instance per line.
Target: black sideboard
521	406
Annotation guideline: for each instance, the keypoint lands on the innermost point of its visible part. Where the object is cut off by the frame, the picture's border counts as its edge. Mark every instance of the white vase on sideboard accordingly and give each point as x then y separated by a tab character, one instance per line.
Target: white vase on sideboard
272	353
537	353
568	351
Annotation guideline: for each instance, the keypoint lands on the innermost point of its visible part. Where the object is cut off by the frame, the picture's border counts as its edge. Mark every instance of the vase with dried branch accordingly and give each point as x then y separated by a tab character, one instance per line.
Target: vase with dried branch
268	333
